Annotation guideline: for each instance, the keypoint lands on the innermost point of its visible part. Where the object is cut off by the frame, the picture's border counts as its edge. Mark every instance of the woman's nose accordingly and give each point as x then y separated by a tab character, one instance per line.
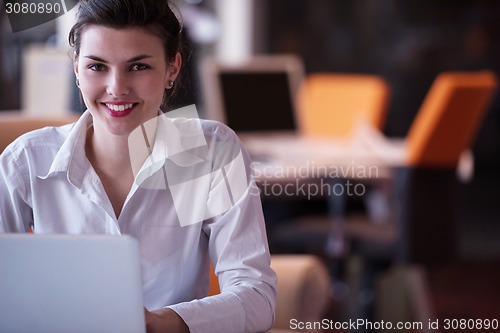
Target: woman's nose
117	85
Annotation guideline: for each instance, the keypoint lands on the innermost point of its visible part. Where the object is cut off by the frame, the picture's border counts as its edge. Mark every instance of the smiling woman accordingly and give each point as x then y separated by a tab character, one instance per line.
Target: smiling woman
179	185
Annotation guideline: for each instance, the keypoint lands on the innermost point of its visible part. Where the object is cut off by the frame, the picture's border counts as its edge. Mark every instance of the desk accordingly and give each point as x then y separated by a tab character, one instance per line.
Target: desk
297	166
368	158
319	157
323	163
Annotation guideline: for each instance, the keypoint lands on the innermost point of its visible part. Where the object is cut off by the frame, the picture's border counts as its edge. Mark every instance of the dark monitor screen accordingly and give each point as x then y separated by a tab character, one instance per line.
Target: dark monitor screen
257	101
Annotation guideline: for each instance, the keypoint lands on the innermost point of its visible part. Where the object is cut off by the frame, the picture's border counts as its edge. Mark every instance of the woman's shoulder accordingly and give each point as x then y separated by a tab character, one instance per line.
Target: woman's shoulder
33	152
192	123
48	137
216	128
211	128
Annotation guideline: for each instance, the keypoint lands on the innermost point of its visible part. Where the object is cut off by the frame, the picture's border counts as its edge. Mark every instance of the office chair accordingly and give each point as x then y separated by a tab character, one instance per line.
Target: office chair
425	184
332	105
14	124
449	118
303	289
426	187
336	106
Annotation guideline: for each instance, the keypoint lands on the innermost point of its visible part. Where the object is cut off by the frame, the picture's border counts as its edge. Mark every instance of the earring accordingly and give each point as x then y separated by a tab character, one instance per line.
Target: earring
171	83
77	82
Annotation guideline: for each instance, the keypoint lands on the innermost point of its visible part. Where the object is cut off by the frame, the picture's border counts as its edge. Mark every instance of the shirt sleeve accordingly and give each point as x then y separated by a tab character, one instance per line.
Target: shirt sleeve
15	211
240	255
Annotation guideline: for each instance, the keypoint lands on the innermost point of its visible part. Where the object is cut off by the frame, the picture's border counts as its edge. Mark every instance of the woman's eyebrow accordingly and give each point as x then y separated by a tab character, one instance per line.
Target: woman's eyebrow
134	59
95	58
139	57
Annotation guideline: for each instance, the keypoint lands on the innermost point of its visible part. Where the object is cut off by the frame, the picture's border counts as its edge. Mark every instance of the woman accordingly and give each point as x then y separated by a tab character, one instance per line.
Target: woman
125	168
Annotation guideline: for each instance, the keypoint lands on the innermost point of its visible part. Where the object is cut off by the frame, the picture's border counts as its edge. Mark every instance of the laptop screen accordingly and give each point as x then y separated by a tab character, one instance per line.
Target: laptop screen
257	95
257	101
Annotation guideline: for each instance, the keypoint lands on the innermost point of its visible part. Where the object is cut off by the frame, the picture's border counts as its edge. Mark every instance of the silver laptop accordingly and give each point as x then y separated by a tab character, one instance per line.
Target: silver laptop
70	283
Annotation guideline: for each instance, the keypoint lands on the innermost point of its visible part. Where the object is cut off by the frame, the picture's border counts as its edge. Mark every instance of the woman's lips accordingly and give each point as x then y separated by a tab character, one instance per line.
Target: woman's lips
119	110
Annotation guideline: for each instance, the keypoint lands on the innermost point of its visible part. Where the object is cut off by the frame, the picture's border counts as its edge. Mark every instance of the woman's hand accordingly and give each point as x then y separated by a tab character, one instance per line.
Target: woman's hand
164	321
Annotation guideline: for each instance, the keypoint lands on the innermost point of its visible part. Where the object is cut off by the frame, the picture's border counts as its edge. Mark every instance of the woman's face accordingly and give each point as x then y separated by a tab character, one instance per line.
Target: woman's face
123	74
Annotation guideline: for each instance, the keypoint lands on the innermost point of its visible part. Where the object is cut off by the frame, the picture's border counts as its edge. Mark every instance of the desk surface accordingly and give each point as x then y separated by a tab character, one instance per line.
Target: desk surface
289	156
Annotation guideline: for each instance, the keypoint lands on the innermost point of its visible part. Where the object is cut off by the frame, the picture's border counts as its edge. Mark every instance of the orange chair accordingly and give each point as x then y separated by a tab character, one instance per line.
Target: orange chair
331	105
303	289
426	190
334	105
214	288
425	193
449	118
14	124
425	186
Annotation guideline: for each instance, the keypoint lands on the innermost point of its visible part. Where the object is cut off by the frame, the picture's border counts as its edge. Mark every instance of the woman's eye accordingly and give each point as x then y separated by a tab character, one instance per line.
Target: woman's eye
97	67
139	67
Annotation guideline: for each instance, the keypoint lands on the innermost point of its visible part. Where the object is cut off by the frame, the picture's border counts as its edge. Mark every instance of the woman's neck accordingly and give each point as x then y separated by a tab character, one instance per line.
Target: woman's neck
109	156
108	151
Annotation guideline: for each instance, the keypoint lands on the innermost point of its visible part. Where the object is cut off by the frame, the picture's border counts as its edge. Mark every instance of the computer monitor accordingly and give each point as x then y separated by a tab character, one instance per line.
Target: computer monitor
256	95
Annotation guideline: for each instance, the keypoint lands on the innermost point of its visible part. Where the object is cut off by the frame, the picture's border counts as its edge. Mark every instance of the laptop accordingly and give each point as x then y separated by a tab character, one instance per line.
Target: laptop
256	95
70	283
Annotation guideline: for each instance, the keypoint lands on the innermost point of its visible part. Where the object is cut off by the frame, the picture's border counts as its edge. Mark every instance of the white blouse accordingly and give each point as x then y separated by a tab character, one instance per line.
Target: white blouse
193	200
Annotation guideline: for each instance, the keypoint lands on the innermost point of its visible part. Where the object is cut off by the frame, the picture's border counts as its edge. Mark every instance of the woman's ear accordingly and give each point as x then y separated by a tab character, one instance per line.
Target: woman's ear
173	69
75	64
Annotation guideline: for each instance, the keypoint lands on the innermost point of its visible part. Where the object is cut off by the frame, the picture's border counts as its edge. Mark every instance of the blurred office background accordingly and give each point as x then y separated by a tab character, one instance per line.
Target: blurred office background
408	43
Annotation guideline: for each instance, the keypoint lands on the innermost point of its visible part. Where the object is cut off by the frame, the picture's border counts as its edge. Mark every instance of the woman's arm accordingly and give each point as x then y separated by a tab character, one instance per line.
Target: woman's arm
240	255
15	212
234	228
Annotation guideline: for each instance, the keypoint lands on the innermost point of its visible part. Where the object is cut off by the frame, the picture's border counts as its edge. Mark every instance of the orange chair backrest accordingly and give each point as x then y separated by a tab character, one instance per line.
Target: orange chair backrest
331	105
449	117
14	124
